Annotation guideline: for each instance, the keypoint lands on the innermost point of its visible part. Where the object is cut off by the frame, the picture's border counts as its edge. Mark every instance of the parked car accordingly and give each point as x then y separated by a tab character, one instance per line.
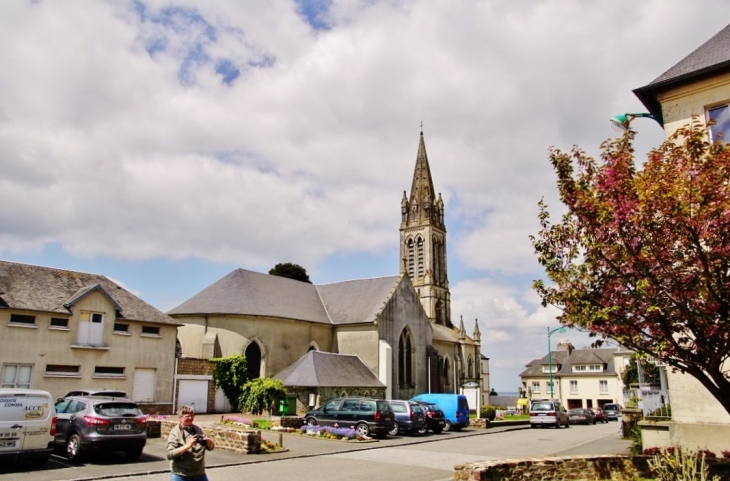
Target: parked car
91	423
409	417
581	416
612	411
367	416
27	425
548	413
599	414
454	406
435	419
97	392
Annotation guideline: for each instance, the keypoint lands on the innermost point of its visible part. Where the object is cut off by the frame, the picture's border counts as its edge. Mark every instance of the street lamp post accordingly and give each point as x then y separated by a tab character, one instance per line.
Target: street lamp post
550	356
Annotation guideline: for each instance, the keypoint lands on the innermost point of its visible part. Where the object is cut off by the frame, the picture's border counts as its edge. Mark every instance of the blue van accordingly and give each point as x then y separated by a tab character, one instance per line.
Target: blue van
454	406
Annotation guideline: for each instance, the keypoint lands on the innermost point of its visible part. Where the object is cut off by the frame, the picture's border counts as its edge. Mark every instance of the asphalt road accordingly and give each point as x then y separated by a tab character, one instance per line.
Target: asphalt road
401	458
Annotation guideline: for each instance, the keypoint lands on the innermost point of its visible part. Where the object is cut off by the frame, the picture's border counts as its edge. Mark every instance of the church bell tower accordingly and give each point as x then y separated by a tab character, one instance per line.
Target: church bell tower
423	242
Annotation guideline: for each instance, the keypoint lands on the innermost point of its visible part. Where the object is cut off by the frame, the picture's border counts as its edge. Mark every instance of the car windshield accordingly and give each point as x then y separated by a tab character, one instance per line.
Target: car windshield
545	406
611	407
117	409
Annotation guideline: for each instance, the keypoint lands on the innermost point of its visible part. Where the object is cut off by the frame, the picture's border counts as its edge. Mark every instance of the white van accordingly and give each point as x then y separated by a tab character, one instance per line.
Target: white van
27	425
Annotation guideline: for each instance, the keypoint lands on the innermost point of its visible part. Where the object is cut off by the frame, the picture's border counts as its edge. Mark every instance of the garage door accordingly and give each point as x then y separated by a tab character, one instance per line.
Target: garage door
144	385
195	394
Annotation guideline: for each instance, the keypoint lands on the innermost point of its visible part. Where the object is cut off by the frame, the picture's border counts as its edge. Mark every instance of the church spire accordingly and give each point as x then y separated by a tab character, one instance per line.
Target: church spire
423	241
422	199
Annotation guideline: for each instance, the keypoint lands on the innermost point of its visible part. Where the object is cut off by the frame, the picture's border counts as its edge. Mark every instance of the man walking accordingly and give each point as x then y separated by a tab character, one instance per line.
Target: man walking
186	446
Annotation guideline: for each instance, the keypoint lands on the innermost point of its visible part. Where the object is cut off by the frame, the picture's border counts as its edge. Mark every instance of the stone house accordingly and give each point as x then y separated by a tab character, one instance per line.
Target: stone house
63	330
698	85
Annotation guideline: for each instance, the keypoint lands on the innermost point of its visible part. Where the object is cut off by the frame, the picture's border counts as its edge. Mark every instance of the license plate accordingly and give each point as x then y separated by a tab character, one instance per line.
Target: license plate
123	427
542	414
441	422
7	444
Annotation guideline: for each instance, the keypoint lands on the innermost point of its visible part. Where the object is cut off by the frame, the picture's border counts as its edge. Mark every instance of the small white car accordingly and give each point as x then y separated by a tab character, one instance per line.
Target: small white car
548	413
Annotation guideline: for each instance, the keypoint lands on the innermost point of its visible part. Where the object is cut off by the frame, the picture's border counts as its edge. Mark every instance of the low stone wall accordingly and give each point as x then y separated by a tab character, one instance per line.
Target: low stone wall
576	467
228	438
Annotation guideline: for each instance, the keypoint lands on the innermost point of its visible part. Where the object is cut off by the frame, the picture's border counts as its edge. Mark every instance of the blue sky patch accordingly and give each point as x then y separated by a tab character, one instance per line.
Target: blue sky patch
315	12
227	70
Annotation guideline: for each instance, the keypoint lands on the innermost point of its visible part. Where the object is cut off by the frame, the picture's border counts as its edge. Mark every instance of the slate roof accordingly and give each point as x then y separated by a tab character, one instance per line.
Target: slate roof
565	360
244	292
357	301
46	289
325	369
709	58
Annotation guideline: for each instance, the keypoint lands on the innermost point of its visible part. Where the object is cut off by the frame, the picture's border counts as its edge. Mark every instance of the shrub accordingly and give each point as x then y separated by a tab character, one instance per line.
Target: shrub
261	395
680	465
488	412
230	374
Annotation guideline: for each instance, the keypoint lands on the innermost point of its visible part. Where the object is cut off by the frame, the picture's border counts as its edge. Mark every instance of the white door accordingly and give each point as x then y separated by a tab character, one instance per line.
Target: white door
221	402
144	385
195	394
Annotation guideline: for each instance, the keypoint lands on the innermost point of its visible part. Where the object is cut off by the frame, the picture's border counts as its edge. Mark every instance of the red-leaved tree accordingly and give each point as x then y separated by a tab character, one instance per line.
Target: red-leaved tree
642	255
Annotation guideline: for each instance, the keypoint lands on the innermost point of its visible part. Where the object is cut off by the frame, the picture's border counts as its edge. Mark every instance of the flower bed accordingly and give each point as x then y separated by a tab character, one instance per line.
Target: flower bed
328	432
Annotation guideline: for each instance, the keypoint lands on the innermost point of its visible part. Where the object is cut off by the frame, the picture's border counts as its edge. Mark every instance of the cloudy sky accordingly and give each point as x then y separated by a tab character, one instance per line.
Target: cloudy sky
165	143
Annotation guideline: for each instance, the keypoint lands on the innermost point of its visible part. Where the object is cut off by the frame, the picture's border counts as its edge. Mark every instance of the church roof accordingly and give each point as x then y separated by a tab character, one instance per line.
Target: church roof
325	369
251	293
38	288
709	58
244	292
357	301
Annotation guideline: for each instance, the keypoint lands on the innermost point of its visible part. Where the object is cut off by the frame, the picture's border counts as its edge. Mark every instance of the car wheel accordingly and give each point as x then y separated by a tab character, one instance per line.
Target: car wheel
447	426
133	454
311	422
557	424
533	426
567	425
395	431
73	448
437	430
423	430
363	429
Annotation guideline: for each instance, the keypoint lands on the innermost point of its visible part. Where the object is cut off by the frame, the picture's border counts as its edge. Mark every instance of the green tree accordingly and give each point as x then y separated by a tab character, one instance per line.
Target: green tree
230	374
649	371
642	255
261	394
291	271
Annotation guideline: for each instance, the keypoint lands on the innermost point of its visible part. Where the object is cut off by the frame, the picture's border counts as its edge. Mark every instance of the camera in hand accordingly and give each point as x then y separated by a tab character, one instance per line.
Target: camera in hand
200	440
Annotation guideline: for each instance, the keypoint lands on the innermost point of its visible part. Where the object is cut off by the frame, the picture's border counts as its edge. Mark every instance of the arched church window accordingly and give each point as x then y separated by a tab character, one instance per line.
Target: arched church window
419	243
447	372
406	359
253	360
178	349
470	367
411	258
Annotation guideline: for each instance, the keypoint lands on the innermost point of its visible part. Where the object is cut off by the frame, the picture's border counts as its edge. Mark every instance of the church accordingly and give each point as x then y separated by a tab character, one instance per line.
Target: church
399	326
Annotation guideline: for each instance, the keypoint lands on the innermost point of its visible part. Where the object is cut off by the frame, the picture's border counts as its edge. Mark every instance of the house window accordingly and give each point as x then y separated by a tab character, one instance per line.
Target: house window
16	376
603	386
119	327
61	370
108	371
573	387
59	322
21	319
579	368
150	330
720	131
536	387
547	369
